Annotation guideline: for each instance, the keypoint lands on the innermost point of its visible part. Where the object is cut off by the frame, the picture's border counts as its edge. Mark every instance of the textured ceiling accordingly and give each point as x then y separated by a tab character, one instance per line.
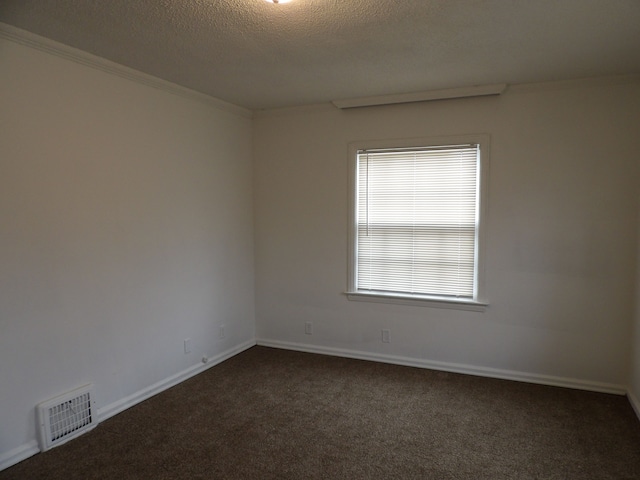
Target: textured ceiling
261	55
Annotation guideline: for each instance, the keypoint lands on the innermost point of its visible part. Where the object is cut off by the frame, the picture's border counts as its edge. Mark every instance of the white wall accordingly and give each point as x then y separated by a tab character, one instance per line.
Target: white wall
126	227
561	234
634	378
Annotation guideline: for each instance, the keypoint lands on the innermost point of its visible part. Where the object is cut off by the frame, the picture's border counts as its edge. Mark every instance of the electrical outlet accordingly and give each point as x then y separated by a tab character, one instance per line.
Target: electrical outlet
386	336
221	334
187	345
308	328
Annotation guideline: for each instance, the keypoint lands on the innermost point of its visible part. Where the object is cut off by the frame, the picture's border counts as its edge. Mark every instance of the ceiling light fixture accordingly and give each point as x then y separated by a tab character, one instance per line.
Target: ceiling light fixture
278	1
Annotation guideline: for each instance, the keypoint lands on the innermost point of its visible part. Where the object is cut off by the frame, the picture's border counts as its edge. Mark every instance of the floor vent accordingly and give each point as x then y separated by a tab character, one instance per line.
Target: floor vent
67	416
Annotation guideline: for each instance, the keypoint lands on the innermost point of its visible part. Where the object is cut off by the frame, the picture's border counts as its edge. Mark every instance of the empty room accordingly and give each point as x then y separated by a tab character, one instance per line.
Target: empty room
319	239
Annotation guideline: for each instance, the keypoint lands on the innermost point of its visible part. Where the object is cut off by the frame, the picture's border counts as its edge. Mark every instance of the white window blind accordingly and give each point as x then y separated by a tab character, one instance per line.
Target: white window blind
417	221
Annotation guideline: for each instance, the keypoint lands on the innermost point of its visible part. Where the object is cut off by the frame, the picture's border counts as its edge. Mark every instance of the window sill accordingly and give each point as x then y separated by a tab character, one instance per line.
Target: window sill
417	300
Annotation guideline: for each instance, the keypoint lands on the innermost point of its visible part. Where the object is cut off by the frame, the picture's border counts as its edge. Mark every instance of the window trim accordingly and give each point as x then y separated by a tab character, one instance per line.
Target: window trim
479	302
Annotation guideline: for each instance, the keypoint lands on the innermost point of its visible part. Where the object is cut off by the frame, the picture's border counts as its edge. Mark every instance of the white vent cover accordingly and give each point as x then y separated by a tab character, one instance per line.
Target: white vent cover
66	416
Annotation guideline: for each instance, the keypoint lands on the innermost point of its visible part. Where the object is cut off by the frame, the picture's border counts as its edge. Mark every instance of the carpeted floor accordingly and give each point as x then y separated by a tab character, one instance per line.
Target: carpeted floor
276	414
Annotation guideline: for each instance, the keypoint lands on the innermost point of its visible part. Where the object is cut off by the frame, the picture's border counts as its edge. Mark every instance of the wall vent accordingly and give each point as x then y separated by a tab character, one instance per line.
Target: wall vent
66	416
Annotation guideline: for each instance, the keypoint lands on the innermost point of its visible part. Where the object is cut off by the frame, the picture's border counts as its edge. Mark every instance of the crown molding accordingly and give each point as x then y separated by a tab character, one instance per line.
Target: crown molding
300	109
81	57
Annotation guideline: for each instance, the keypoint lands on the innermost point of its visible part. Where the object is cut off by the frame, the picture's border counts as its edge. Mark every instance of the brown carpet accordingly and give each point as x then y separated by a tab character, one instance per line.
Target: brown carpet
276	414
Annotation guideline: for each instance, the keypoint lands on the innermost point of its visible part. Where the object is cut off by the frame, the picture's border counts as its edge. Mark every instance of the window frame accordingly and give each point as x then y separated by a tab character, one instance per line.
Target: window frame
478	302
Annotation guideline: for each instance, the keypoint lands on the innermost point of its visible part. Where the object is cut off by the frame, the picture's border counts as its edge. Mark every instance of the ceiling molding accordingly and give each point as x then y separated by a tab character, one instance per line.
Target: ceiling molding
449	93
66	52
284	111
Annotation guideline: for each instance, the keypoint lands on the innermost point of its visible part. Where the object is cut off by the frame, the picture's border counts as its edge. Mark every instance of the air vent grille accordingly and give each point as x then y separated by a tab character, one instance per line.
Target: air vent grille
66	416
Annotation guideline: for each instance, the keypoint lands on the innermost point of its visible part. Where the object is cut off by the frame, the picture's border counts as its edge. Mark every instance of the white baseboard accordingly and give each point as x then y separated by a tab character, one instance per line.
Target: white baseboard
18	454
450	367
29	449
114	408
635	404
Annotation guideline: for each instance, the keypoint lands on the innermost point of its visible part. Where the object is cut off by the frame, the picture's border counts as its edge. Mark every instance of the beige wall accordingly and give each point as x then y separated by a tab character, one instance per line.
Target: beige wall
561	234
634	381
126	228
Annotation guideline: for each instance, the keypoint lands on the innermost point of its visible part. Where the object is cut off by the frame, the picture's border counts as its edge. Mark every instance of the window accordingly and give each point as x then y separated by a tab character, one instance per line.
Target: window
416	221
